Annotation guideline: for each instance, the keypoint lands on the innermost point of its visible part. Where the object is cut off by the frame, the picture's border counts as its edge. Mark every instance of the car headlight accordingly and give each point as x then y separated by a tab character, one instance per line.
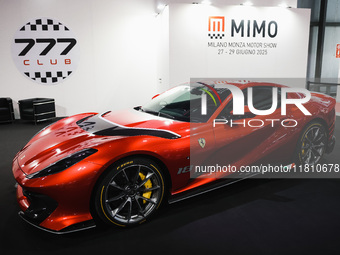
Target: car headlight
63	164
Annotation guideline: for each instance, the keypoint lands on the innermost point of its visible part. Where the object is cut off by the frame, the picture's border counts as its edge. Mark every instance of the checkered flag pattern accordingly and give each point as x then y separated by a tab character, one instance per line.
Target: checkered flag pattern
48	77
216	36
44	25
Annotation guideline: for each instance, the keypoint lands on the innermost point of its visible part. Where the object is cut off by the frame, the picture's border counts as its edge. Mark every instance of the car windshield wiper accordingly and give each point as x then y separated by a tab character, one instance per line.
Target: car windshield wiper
160	114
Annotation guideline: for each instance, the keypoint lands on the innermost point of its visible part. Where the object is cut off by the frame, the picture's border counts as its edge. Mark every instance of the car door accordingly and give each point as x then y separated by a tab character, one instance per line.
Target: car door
247	139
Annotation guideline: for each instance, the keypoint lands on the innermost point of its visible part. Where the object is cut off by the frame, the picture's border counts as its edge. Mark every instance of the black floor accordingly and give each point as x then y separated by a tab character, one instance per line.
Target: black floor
251	217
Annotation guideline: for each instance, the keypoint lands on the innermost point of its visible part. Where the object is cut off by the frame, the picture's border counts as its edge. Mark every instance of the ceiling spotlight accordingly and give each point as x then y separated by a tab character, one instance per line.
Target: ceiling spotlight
248	3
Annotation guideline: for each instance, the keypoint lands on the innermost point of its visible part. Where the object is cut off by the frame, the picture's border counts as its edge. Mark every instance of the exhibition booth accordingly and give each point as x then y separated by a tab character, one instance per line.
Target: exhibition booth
125	53
107	108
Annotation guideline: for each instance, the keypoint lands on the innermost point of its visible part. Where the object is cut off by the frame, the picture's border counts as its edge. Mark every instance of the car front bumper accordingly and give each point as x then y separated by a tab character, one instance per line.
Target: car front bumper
57	207
36	208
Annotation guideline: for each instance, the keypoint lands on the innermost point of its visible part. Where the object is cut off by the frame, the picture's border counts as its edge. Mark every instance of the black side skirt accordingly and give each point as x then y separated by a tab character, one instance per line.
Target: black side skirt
206	188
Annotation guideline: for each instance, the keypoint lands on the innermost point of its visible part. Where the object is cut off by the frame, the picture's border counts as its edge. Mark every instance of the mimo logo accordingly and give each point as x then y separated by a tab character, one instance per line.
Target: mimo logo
238	102
216	27
241	27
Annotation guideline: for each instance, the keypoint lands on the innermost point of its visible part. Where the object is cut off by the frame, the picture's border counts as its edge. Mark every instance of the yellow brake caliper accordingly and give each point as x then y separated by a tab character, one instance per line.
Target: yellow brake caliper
303	150
147	185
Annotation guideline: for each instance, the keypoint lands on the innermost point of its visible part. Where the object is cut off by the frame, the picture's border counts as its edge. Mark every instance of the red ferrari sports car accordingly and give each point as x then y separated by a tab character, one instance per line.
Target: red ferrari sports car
120	167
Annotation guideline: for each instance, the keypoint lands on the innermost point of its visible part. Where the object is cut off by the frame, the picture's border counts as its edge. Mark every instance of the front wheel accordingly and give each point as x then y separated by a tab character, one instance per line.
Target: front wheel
130	193
312	144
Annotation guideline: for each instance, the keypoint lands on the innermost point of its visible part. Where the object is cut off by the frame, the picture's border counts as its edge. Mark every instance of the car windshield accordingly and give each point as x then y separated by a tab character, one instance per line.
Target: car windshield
184	103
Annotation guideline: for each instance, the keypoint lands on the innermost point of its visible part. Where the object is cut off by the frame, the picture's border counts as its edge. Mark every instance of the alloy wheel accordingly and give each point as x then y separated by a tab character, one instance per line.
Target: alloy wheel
132	194
313	145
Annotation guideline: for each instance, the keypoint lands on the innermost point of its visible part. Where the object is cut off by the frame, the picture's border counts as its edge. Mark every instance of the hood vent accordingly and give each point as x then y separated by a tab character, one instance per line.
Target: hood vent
97	125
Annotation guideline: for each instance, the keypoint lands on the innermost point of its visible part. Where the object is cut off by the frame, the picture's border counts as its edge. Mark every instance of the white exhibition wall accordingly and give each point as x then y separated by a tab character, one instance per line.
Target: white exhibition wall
274	43
118	53
127	54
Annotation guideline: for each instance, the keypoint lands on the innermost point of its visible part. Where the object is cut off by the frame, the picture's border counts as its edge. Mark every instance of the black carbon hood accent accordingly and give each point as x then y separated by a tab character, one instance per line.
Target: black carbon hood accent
97	125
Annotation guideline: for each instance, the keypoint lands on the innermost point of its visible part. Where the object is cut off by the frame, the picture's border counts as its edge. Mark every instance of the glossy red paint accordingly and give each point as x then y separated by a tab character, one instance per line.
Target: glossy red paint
72	188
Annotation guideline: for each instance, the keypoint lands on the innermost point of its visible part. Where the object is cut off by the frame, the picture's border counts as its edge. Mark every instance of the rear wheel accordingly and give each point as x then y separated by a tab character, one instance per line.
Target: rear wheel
131	192
312	144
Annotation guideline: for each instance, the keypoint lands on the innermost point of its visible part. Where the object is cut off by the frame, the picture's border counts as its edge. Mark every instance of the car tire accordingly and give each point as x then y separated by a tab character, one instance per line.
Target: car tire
130	193
312	144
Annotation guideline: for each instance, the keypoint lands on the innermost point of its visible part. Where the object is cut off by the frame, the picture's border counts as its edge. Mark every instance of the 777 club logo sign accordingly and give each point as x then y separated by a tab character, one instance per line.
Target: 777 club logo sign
45	51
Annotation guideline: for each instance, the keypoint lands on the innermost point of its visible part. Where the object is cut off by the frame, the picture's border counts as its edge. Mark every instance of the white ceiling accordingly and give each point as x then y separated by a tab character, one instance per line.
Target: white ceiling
291	3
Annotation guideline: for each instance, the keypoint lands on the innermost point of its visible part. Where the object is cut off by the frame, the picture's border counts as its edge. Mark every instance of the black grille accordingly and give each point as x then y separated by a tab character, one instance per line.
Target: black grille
41	206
